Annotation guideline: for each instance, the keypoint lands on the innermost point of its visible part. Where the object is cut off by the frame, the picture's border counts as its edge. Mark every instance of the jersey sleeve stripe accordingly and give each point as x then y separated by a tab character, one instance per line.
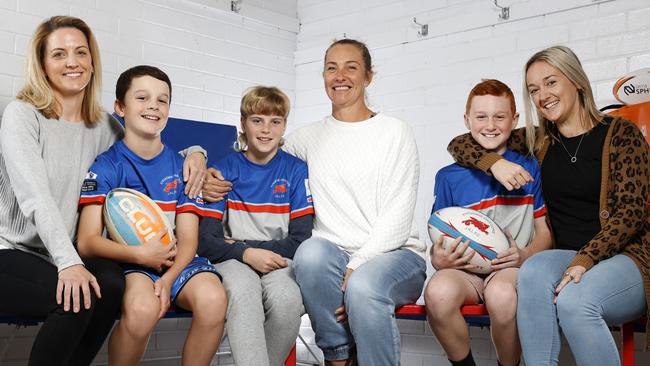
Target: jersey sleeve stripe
302	212
540	212
87	200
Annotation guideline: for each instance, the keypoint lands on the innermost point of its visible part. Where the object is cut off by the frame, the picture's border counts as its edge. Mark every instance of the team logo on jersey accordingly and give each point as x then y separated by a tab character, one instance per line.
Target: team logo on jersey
280	187
170	184
90	182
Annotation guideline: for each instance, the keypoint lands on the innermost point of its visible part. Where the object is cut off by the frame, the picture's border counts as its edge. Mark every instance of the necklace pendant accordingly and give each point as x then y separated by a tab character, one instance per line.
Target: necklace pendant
574	159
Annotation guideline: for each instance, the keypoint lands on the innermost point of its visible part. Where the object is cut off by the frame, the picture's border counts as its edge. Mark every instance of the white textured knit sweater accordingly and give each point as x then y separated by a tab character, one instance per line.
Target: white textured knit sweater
363	177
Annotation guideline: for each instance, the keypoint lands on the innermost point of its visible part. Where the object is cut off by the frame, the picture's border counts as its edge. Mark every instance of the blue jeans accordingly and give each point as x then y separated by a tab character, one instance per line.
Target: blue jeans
373	292
609	293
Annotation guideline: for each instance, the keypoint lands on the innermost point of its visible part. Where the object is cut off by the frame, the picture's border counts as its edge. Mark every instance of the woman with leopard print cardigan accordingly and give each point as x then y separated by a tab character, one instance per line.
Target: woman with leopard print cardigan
596	181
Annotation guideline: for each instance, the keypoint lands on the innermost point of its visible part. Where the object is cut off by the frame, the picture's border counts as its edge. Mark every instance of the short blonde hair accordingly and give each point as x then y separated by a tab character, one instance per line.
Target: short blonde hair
264	100
565	60
38	91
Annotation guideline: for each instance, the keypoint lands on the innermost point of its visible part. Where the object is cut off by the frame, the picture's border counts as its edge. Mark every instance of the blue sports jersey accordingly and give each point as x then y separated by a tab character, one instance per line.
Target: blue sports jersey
159	178
511	210
264	197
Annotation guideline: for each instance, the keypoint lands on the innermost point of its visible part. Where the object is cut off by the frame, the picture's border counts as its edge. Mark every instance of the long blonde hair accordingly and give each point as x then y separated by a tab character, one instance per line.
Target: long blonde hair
568	63
38	91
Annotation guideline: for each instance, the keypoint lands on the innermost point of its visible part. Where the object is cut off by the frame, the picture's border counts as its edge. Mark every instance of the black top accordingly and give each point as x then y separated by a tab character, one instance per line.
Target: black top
572	190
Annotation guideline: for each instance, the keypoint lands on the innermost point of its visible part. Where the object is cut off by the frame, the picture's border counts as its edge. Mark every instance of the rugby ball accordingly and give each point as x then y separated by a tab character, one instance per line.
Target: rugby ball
634	87
484	235
132	218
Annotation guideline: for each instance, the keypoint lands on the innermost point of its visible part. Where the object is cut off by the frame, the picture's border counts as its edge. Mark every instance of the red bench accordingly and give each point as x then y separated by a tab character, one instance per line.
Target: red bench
478	315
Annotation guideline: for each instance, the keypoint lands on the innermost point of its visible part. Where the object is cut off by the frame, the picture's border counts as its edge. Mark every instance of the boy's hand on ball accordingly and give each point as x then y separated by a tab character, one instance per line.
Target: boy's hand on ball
454	256
263	260
511	257
154	254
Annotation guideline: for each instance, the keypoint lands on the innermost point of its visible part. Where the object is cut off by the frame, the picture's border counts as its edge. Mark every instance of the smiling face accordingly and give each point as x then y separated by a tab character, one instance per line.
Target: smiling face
553	94
67	62
345	76
490	120
263	136
145	108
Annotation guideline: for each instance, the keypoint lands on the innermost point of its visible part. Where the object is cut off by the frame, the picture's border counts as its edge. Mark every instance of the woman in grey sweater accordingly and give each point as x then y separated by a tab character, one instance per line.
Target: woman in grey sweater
49	137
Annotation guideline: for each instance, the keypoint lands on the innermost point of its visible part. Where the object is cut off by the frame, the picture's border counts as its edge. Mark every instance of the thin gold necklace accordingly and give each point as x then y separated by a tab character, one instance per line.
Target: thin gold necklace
573	157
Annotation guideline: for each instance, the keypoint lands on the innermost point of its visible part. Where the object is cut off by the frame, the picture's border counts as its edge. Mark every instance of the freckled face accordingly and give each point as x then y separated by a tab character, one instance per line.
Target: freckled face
490	121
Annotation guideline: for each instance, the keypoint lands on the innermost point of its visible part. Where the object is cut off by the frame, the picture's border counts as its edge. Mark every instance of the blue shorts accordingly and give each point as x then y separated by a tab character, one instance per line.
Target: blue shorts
196	266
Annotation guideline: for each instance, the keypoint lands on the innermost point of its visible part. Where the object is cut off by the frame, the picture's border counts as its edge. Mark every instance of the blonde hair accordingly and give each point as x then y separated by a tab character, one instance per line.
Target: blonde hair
264	100
568	63
38	91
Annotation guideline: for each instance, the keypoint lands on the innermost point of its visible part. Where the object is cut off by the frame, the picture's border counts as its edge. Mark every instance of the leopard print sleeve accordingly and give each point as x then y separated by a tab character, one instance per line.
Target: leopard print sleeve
628	187
467	152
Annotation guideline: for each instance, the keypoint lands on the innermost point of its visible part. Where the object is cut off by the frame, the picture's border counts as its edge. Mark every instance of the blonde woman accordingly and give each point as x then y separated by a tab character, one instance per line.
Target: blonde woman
48	139
596	181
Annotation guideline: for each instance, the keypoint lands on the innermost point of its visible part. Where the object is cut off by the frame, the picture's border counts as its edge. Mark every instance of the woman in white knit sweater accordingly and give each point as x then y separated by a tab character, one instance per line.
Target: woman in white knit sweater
364	258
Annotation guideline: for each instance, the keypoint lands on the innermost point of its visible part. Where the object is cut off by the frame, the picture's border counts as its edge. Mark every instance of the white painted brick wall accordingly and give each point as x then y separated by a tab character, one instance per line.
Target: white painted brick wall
201	44
425	80
213	55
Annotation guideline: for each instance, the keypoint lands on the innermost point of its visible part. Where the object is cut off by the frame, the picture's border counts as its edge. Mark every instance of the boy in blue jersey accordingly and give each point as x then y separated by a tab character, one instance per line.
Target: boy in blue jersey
155	273
257	229
490	116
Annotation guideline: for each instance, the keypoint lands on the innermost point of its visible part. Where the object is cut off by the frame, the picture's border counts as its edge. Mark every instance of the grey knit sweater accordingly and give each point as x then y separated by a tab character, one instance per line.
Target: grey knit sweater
42	165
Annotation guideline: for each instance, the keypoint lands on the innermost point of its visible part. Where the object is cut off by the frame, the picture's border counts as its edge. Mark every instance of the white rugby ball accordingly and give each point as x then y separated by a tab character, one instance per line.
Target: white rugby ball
634	87
132	218
485	236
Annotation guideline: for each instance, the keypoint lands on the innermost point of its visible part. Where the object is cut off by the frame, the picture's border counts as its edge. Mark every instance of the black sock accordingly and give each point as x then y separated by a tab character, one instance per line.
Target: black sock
467	361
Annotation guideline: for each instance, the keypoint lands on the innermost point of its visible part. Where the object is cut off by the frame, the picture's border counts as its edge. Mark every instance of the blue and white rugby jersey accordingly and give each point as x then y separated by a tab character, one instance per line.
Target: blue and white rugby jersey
264	197
160	178
512	210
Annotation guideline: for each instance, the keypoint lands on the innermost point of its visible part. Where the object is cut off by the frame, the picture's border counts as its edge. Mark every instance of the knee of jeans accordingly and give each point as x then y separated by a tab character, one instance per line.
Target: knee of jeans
360	296
531	272
310	257
573	309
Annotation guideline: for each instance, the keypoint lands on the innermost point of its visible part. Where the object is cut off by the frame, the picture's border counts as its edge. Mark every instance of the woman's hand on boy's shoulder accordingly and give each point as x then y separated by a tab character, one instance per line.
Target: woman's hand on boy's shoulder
215	187
194	174
510	175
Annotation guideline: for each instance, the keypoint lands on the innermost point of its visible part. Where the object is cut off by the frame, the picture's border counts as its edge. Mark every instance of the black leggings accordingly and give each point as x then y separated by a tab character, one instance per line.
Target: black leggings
28	285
